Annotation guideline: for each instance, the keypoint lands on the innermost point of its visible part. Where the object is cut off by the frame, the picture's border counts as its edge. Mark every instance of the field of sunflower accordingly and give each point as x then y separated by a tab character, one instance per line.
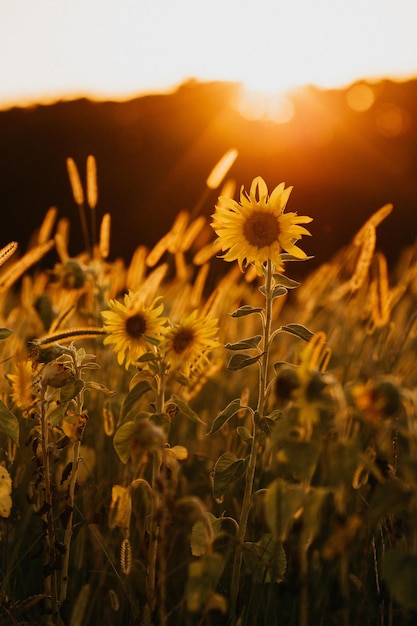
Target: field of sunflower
186	449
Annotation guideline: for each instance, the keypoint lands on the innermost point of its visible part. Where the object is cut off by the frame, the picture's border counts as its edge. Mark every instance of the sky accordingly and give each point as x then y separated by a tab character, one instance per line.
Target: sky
60	49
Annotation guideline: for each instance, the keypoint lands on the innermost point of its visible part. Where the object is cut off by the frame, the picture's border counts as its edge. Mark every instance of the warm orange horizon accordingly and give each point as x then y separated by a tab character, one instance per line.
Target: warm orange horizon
101	50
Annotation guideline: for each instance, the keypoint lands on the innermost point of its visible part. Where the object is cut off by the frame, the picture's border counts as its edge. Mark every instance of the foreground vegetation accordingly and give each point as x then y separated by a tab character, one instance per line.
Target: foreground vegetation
187	447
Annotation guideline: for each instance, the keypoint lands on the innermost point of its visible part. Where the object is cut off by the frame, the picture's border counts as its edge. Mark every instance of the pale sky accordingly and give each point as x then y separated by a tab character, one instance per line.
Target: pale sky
51	49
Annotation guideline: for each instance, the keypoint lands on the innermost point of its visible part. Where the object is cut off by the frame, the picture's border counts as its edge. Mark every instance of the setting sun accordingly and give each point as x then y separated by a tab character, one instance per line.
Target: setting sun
117	50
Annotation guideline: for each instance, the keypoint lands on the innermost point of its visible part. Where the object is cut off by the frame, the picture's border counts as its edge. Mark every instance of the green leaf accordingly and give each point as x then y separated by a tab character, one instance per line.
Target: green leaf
187	410
246	310
284	281
133	396
4	333
302	457
399	571
71	390
203	534
232	408
9	423
56	415
244	434
312	514
391	497
122	440
245	344
266	560
279	291
92	384
298	330
338	463
282	501
203	577
289	257
276	291
225	469
148	356
239	361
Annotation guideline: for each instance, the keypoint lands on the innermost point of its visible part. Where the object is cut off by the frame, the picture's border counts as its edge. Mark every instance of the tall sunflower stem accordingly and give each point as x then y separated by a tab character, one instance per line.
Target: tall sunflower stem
71	496
256	433
156	526
50	526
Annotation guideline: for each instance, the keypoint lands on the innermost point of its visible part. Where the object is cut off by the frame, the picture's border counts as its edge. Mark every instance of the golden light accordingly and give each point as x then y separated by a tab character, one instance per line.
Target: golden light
360	97
54	50
261	105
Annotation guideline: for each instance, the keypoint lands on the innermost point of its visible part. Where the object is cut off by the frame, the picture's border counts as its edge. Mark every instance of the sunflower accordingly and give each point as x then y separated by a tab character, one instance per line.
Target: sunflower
133	327
187	343
22	391
257	229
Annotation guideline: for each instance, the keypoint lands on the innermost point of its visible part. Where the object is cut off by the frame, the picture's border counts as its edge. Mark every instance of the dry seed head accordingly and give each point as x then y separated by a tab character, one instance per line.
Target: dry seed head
114	600
47	225
19	268
150	288
176	234
229	188
198	287
181	267
7	251
220	170
74	178
92	192
158	250
70	335
375	219
126	556
364	259
105	236
379	293
61	239
191	233
206	253
108	421
61	318
137	269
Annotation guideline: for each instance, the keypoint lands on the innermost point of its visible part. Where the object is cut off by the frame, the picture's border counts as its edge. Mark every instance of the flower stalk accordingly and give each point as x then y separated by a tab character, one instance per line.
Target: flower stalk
50	526
256	432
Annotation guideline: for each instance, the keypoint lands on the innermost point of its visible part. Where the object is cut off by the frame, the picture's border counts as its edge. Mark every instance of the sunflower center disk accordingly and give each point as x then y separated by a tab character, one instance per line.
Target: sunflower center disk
135	326
261	229
182	339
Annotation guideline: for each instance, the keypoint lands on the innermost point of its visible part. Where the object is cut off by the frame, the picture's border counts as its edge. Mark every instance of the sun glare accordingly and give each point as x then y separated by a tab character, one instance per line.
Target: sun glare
261	105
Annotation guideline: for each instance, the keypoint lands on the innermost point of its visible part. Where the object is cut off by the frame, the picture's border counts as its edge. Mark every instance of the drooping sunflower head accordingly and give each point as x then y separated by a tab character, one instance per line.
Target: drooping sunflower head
188	343
132	327
256	229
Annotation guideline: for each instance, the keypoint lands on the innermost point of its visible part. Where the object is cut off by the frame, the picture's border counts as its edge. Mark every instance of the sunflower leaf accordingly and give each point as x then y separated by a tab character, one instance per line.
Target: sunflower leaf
4	333
246	309
252	342
298	330
225	469
186	409
244	434
289	257
239	361
148	356
122	440
278	291
71	389
232	408
133	396
9	423
284	281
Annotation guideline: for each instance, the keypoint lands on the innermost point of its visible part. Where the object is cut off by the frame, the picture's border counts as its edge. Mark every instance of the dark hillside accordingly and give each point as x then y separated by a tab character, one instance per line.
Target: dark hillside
154	154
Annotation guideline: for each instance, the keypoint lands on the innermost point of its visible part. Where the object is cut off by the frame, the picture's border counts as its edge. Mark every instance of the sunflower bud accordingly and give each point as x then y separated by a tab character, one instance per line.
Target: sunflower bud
56	375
